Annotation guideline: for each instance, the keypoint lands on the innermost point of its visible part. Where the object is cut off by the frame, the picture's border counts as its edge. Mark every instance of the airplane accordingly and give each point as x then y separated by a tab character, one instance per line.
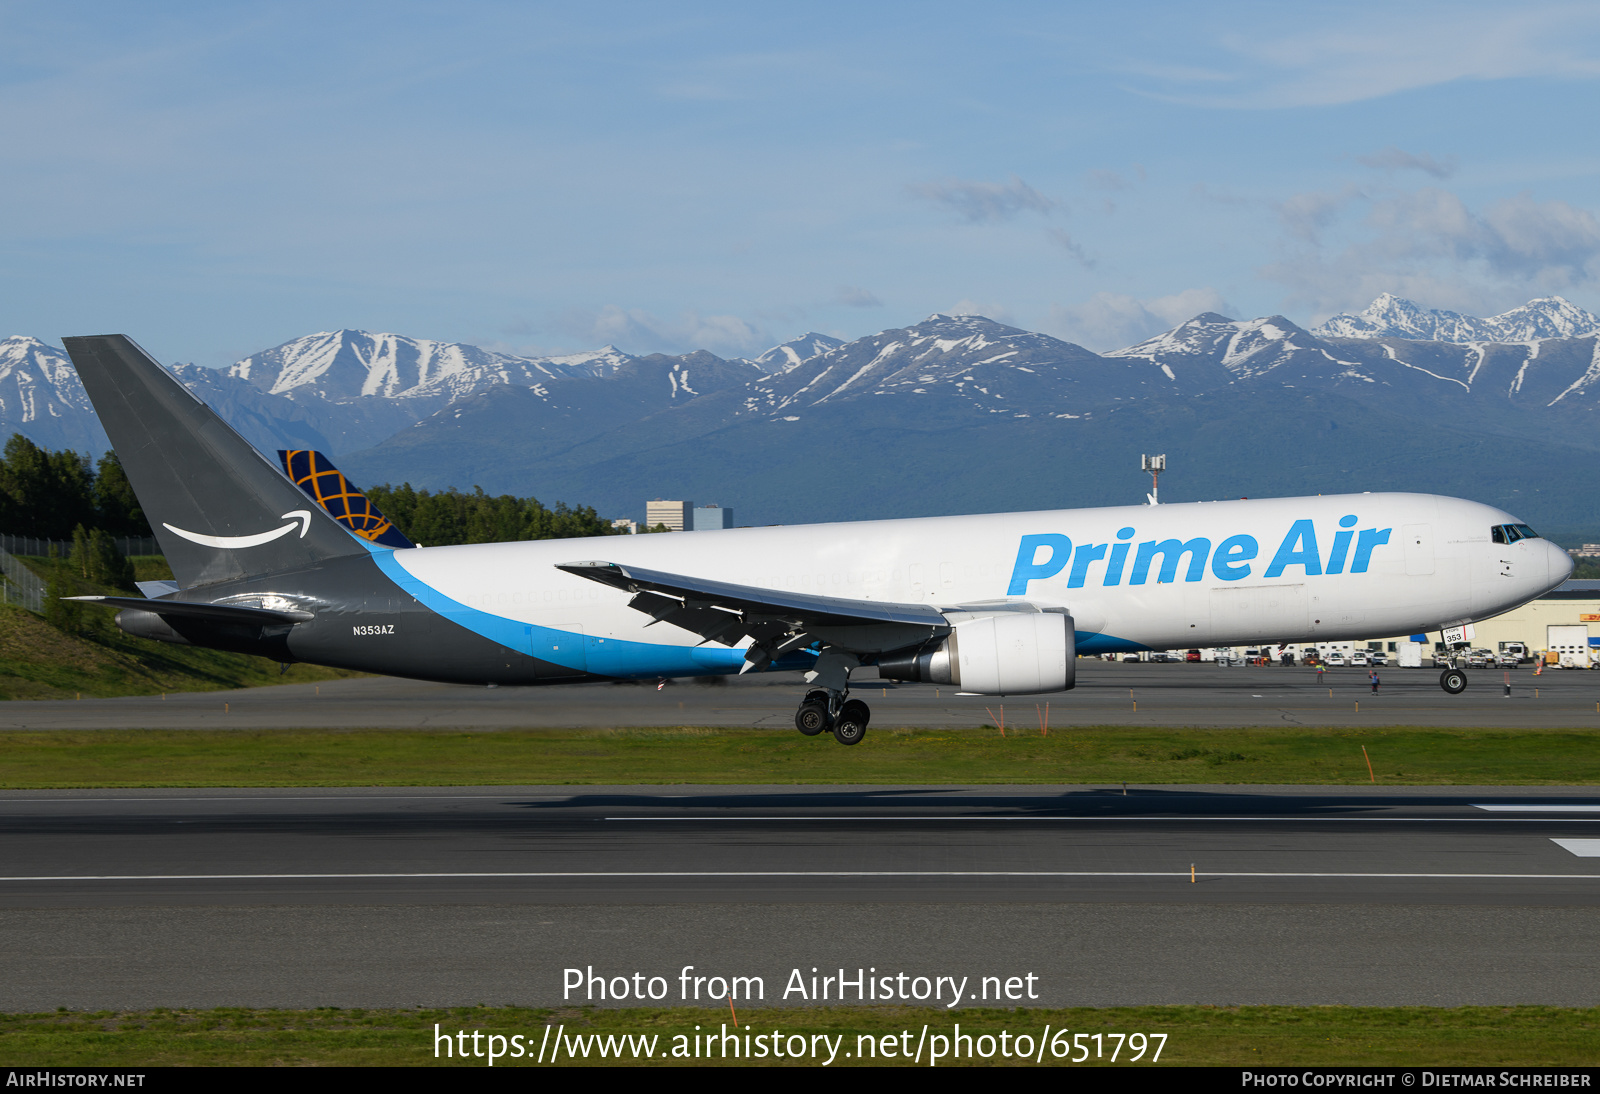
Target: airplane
991	604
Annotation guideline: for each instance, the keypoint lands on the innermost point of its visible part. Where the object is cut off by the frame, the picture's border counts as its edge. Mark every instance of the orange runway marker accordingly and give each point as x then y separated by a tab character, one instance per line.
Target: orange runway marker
732	1011
1370	775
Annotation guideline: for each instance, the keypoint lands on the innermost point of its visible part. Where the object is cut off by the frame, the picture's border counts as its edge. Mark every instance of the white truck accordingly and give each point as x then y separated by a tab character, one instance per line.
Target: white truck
1569	644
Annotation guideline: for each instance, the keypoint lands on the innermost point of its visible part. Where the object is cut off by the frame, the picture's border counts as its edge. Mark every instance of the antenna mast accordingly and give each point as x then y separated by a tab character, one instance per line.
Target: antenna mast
1155	465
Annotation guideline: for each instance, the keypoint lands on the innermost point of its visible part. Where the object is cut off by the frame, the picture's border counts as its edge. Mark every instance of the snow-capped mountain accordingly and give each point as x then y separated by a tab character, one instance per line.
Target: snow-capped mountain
796	351
1390	316
41	397
973	360
350	364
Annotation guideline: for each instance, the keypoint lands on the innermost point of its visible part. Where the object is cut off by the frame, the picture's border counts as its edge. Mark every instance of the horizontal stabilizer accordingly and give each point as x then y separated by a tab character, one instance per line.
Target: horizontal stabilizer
221	613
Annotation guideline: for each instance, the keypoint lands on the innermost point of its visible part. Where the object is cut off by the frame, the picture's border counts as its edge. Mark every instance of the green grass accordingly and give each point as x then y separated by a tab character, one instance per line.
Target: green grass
1105	754
1237	1036
37	661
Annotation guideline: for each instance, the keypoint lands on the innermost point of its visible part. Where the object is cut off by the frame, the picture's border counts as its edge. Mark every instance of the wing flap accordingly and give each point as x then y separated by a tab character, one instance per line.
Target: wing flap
775	620
751	600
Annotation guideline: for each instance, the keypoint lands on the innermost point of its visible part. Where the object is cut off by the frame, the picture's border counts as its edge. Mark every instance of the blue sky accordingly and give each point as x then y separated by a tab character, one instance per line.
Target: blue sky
214	179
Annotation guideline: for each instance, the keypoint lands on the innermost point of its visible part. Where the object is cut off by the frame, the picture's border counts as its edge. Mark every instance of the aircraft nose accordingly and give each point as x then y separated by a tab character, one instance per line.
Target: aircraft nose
1560	563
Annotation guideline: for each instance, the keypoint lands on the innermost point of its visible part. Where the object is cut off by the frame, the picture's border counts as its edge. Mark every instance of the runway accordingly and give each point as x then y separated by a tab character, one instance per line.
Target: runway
1107	694
486	895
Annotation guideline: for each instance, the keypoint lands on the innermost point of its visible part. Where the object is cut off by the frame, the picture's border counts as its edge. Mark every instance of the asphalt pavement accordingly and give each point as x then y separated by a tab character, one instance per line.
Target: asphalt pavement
1107	694
401	897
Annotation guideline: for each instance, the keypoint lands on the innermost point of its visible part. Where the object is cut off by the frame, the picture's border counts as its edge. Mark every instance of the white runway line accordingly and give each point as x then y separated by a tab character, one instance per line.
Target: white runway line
800	874
1539	808
1583	848
1113	818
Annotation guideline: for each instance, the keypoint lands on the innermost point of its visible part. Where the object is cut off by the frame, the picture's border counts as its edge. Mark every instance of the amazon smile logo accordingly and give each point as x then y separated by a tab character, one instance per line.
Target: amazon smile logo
300	517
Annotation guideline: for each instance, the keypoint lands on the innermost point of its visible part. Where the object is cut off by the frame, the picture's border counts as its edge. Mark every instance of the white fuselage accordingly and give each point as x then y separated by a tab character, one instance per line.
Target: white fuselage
1133	577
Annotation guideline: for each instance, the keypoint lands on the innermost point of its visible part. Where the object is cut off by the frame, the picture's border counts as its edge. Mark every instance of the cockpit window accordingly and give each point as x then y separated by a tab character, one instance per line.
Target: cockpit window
1510	533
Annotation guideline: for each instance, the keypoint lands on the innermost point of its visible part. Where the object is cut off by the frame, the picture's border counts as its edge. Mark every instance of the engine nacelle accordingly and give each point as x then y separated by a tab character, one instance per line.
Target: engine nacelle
1007	653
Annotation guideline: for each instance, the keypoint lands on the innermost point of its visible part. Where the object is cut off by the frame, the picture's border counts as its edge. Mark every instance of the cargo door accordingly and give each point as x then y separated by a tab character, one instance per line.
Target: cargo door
1257	614
1418	542
560	646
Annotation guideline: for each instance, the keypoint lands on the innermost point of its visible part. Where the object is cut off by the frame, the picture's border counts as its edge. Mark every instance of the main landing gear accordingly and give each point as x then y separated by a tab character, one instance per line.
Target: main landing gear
1453	680
823	709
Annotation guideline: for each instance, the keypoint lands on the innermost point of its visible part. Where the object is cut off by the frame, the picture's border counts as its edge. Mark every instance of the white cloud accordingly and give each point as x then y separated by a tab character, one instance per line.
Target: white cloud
1391	158
998	312
638	331
1429	245
1353	57
1307	214
1065	241
853	296
1108	321
981	202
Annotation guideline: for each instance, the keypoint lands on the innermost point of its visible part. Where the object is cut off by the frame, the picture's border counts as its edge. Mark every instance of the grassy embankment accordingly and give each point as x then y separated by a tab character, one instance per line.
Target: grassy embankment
1197	1036
1106	754
37	661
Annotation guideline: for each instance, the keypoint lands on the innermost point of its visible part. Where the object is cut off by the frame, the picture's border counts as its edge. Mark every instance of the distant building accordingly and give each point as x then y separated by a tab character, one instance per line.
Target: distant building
708	517
674	514
1588	550
629	526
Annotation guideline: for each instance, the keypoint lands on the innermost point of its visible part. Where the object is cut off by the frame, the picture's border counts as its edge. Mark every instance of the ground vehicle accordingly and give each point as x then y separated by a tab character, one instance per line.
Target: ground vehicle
1481	659
1359	657
1513	654
1378	659
1335	660
1192	656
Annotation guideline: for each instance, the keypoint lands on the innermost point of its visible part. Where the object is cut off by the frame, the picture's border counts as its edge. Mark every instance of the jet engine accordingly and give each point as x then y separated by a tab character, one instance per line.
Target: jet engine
1004	653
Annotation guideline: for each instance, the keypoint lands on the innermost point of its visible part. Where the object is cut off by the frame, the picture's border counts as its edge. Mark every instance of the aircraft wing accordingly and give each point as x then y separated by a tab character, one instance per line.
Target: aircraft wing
777	619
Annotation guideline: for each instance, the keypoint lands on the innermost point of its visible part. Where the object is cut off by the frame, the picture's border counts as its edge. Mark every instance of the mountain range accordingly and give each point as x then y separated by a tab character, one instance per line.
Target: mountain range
957	413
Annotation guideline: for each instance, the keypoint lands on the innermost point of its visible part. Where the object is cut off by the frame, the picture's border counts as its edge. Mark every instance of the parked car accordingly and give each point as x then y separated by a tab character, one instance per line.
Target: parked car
1335	660
1131	658
1192	656
1481	659
1379	659
1359	657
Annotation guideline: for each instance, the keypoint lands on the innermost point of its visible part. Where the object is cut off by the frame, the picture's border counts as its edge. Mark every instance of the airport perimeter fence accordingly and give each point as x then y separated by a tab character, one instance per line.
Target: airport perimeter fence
31	545
21	586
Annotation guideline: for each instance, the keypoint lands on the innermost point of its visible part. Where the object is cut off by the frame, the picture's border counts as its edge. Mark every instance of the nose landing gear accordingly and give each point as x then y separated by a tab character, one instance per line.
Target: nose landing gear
823	709
1453	680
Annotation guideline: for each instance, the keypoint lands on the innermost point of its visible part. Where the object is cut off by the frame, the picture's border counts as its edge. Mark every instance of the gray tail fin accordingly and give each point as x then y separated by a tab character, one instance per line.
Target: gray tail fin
218	508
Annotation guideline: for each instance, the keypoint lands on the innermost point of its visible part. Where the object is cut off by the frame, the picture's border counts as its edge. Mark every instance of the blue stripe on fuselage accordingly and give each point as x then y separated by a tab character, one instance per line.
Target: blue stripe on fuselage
621	657
601	656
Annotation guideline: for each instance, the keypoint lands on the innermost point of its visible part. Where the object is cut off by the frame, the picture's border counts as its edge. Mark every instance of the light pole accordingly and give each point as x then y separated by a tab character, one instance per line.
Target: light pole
1155	465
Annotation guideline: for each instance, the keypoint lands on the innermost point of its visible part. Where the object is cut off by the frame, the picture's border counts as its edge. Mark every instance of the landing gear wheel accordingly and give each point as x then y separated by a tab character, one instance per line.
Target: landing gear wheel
811	719
847	731
1453	680
855	711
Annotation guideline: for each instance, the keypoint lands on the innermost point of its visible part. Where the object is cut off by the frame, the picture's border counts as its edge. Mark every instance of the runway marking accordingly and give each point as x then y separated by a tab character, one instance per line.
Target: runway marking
1539	808
1583	848
1275	819
791	873
301	798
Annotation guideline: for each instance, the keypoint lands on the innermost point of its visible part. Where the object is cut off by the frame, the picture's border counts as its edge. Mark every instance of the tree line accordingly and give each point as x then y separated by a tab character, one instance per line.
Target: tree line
451	516
61	495
51	494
